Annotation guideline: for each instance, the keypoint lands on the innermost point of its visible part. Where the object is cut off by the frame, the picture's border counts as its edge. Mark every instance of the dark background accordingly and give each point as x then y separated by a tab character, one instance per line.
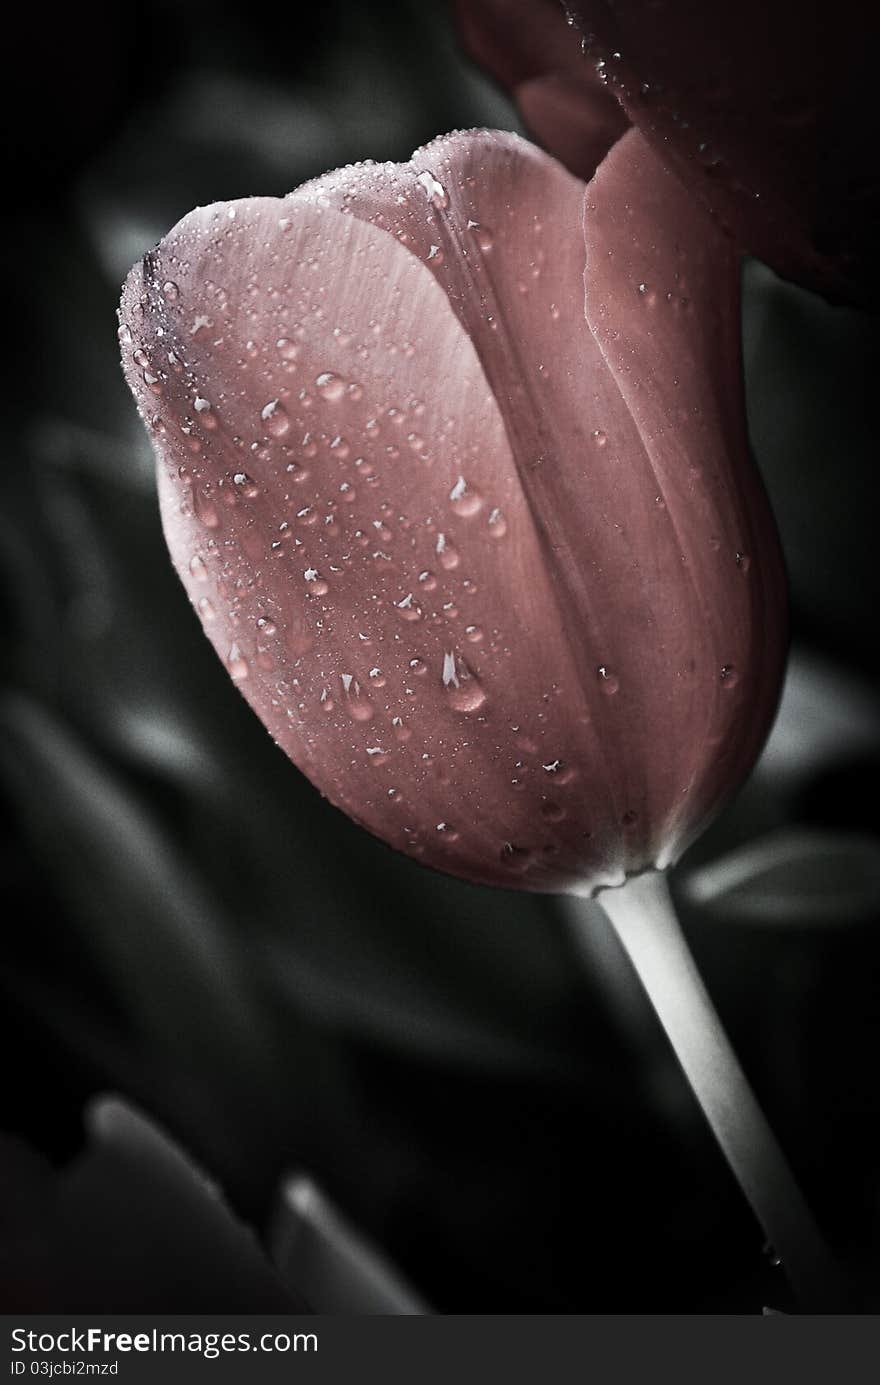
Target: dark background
189	924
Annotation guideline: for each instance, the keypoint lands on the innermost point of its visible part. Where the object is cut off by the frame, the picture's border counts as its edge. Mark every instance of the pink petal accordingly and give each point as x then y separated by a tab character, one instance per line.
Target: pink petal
530	48
471	556
578	121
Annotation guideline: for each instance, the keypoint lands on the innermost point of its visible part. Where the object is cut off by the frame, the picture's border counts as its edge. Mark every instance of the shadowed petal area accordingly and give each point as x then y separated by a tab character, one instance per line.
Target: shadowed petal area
421	513
766	112
530	47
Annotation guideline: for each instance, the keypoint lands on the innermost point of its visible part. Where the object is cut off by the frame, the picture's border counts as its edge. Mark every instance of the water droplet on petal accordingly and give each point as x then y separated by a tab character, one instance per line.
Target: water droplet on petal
516	857
246	484
497	524
408	609
276	418
447	553
237	664
205	509
332	388
608	681
463	688
358	705
465	501
434	191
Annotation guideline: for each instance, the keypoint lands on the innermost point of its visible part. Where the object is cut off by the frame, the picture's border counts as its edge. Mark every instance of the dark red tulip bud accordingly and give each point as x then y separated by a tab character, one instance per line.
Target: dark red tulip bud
764	110
453	466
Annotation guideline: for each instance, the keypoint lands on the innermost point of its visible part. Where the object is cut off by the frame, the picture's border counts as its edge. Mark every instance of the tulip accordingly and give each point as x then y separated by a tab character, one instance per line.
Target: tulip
763	111
453	465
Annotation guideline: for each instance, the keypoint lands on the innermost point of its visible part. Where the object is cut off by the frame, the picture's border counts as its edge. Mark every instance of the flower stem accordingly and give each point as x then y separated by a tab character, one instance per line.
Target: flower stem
643	916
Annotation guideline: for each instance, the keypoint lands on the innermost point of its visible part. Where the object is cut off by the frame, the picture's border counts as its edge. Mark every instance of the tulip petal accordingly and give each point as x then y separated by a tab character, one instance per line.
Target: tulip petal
416	505
764	111
531	48
578	121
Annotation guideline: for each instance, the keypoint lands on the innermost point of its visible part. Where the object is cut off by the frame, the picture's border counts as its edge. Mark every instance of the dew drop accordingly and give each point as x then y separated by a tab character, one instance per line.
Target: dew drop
516	857
484	238
246	484
729	675
170	291
237	664
463	688
434	191
331	387
276	418
608	680
358	705
206	609
408	609
465	501
205	510
197	568
497	524
447	553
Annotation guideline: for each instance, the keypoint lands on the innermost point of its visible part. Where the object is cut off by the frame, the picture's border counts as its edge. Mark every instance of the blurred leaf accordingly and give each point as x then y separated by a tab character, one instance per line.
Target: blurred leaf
826	714
315	1249
130	1225
792	878
810	372
153	930
396	1006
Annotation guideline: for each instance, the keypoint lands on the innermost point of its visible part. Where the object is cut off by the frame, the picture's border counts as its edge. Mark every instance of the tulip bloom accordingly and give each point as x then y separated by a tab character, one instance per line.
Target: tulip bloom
453	465
763	110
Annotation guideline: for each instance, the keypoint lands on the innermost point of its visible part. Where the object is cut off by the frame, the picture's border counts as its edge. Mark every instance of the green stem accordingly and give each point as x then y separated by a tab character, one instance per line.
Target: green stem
643	916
